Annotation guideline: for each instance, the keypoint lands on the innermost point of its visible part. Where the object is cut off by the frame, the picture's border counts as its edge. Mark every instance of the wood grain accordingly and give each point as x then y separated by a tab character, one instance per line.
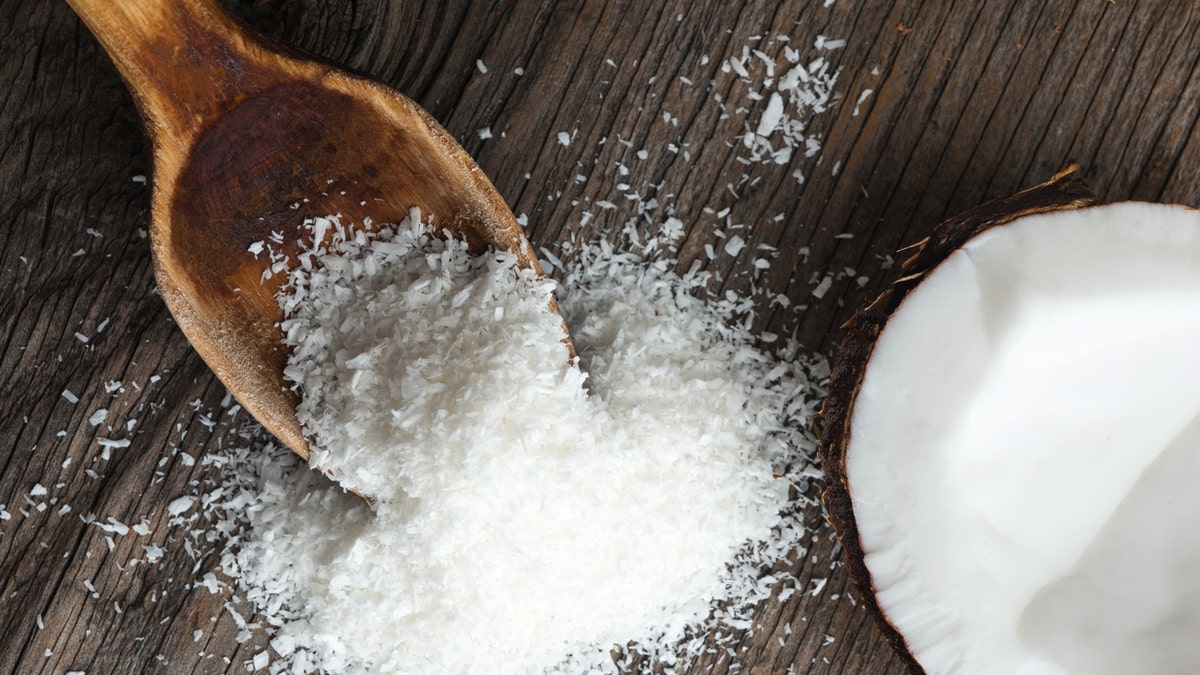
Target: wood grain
971	100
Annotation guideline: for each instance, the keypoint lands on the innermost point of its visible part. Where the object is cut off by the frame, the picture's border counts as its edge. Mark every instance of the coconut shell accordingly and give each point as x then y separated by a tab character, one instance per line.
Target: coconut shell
854	354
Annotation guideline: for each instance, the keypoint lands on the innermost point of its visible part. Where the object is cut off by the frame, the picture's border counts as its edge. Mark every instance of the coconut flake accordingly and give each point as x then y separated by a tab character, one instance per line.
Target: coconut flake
180	505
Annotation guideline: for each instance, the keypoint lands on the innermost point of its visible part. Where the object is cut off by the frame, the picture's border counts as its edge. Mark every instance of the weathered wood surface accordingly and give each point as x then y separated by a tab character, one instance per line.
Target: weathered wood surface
971	100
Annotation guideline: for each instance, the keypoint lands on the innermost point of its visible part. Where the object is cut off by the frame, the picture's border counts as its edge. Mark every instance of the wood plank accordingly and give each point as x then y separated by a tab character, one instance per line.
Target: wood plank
969	100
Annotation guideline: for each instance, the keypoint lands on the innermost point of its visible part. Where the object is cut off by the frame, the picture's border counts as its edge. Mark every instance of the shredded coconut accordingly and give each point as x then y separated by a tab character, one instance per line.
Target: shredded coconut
529	514
795	92
180	505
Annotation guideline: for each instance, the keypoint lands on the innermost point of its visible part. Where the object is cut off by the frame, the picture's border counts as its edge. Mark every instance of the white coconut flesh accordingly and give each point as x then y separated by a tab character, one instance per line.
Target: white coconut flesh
1024	454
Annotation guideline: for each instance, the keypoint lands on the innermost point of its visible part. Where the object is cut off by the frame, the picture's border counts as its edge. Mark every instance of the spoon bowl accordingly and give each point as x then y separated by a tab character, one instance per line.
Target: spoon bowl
248	140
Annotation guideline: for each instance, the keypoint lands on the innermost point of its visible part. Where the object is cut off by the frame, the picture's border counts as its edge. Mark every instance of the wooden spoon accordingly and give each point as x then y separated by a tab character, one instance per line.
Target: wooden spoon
248	140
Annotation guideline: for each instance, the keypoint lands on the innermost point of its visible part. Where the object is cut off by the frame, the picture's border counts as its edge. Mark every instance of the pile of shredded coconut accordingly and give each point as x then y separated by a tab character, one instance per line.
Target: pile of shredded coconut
529	515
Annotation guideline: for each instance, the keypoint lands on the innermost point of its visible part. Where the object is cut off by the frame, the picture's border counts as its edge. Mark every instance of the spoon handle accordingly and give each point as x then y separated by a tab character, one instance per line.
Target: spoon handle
184	60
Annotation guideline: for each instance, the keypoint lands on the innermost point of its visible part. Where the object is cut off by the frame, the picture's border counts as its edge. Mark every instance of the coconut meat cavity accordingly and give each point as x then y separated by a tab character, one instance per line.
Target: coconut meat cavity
1024	445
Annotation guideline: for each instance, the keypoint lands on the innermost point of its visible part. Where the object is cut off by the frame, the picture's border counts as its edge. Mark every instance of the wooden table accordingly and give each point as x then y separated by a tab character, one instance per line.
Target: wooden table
968	101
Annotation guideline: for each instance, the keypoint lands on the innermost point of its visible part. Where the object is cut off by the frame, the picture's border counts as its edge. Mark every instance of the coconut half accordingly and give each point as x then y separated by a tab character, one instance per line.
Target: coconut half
1012	441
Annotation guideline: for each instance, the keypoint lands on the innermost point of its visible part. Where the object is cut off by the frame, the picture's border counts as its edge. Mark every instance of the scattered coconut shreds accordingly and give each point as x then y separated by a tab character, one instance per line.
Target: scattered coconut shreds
795	92
522	522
